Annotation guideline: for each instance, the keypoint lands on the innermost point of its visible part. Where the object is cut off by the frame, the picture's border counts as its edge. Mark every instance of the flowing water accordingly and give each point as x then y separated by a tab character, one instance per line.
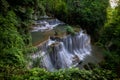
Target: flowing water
61	52
44	28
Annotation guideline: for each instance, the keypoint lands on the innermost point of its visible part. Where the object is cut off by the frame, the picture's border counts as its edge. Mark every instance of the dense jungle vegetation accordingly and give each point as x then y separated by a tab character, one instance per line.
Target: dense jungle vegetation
95	16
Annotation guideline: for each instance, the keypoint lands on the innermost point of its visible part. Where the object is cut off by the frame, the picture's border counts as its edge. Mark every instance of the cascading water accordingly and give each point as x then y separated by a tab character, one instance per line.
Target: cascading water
46	23
60	52
64	52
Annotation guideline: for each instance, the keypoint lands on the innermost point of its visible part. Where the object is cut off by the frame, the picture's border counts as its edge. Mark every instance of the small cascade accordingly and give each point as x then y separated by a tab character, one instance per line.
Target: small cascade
45	23
64	52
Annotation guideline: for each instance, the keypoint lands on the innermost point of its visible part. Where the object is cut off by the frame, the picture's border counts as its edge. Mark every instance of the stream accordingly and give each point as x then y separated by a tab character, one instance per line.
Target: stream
63	51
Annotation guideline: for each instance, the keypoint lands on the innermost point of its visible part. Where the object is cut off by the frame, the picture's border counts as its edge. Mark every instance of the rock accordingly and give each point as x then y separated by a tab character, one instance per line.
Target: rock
57	38
76	60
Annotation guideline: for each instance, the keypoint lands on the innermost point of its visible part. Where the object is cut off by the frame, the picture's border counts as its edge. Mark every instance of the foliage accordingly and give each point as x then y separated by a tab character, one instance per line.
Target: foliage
15	23
12	72
111	31
11	43
89	14
112	60
110	38
68	74
25	11
70	30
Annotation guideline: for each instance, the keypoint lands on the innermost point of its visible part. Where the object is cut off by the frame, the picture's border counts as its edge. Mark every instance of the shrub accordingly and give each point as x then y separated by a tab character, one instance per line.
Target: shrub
69	74
69	30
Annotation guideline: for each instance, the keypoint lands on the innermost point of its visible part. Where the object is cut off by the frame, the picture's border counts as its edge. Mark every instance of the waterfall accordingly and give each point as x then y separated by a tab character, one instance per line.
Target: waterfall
46	23
66	52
